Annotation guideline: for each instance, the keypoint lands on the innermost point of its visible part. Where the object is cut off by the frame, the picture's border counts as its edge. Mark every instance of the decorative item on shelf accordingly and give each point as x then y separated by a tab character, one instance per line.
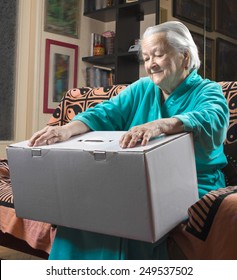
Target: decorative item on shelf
99	49
110	3
100	4
109	41
135	47
94	40
98	44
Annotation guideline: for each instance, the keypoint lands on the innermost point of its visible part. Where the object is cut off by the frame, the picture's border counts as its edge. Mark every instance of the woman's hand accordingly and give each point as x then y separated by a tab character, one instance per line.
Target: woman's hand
52	134
143	133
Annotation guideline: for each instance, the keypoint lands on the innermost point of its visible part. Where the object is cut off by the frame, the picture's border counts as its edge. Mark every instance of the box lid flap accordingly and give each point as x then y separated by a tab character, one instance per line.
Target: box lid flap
101	141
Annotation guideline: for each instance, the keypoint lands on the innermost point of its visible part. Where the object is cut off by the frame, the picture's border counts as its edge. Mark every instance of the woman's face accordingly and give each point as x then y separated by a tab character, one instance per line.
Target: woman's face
163	64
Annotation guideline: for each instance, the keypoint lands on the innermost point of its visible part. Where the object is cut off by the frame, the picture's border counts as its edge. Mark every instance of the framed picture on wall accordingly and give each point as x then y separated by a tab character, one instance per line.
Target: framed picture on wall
226	55
197	12
206	54
62	17
226	20
61	60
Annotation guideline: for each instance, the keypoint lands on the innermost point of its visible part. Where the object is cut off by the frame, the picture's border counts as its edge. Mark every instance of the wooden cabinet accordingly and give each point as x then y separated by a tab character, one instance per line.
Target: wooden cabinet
127	17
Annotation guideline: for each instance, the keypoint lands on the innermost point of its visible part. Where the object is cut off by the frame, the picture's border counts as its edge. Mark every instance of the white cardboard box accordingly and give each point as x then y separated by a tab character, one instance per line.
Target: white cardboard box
90	183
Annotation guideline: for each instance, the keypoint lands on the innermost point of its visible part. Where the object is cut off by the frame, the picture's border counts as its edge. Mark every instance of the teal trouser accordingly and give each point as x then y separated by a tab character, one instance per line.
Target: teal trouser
72	244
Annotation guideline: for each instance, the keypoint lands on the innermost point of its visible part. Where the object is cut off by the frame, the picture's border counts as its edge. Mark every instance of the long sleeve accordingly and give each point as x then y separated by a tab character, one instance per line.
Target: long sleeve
202	107
209	118
136	104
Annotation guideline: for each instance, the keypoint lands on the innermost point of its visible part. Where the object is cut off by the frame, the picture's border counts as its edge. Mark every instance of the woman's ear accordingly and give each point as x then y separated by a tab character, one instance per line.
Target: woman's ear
186	61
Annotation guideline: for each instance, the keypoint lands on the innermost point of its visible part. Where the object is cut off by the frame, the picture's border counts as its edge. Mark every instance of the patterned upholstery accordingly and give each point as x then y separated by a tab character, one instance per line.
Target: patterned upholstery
230	147
6	197
202	214
78	100
4	169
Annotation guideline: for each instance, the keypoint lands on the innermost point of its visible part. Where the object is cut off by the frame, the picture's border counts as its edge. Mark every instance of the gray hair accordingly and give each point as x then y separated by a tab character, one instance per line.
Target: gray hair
178	37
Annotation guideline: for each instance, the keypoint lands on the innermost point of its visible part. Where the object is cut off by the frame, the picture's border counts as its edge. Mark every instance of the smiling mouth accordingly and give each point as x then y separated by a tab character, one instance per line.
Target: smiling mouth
155	72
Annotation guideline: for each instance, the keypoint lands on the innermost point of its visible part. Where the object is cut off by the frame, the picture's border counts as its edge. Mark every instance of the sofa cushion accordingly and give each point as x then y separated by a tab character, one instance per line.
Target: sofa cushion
78	100
6	197
230	145
4	169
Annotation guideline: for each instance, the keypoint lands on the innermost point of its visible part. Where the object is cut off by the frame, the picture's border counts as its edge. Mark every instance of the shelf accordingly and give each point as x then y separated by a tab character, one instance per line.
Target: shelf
127	18
110	59
105	15
132	56
143	6
100	59
109	14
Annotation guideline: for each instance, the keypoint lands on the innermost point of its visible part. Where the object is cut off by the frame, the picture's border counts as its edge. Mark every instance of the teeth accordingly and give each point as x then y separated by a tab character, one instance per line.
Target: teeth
155	71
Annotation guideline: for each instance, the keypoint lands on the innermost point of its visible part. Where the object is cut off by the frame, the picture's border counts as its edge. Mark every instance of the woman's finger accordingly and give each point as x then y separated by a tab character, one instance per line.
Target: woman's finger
125	139
44	137
130	139
146	138
36	135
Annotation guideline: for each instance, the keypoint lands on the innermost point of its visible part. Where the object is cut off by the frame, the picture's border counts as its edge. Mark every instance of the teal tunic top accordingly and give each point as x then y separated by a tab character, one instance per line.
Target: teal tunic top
200	105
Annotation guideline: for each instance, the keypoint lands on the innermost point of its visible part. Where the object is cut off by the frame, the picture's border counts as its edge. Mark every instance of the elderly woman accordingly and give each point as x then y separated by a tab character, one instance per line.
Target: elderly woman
172	99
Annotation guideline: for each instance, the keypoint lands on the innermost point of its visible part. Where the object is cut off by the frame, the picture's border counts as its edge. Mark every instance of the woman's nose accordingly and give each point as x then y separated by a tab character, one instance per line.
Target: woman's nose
153	64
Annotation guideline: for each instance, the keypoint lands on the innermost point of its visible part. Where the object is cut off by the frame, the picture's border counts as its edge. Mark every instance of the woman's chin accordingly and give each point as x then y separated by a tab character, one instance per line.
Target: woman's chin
156	80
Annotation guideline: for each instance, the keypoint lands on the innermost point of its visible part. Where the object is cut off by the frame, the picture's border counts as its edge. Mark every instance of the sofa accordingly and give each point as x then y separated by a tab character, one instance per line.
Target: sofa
210	230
